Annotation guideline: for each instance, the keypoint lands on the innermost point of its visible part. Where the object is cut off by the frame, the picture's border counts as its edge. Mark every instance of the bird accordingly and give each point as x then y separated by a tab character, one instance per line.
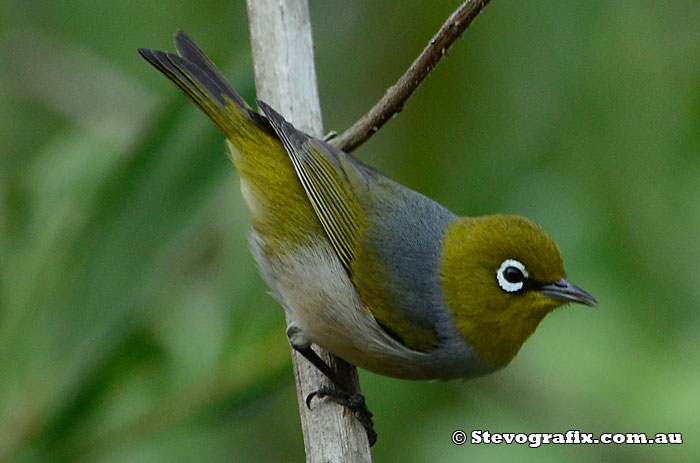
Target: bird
369	269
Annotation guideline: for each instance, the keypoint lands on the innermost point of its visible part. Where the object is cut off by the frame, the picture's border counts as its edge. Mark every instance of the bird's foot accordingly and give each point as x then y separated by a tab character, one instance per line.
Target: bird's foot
353	402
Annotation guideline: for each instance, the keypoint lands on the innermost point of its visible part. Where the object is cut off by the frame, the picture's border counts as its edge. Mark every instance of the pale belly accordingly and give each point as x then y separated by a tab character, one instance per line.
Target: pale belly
325	309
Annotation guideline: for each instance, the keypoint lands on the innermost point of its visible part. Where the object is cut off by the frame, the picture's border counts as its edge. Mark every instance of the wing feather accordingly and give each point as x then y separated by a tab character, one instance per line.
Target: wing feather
326	183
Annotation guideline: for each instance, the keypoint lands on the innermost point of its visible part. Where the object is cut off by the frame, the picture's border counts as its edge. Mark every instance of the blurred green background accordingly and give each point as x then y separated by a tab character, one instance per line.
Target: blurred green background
133	323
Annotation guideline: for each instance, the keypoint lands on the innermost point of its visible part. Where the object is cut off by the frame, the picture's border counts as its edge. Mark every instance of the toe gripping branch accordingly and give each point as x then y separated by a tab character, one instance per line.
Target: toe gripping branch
353	402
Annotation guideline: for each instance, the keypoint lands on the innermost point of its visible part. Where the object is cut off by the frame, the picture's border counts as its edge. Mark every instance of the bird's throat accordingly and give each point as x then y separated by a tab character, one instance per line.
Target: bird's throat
497	340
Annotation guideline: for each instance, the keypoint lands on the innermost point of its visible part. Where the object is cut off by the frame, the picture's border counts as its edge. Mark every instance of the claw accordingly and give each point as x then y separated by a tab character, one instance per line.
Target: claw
353	402
319	393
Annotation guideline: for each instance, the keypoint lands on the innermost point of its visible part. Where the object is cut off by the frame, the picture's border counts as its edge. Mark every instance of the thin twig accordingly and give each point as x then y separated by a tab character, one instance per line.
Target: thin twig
395	97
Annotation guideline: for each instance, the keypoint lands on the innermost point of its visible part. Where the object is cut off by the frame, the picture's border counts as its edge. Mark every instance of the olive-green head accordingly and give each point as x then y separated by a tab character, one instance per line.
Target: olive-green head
501	275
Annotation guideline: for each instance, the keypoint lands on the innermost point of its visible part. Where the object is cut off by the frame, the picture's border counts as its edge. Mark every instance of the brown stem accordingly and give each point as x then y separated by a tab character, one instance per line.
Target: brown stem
395	97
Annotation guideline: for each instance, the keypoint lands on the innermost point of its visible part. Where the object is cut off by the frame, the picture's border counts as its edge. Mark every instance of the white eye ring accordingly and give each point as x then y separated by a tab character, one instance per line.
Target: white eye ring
506	285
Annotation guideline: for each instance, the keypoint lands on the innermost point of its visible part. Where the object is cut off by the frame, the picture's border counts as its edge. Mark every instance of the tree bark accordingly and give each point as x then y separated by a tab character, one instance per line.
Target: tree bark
285	78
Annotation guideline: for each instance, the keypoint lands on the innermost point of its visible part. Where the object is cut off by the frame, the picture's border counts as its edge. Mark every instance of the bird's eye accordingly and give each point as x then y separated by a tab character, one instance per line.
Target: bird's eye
511	276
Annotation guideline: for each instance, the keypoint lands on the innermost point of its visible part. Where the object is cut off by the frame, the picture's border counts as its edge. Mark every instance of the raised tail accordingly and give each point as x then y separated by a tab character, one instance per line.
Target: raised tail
280	210
192	71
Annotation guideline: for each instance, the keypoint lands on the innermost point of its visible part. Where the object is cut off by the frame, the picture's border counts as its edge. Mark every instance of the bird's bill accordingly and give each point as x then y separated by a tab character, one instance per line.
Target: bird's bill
563	290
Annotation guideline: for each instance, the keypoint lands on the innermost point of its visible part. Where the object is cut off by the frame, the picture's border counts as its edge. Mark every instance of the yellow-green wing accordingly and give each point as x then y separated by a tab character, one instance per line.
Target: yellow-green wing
330	182
394	263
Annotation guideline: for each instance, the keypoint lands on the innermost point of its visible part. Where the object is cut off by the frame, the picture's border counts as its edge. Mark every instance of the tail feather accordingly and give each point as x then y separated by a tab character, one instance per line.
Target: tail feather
190	52
280	211
196	75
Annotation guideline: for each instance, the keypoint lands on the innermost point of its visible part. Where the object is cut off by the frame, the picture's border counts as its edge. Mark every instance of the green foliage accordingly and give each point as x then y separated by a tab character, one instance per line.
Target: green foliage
134	326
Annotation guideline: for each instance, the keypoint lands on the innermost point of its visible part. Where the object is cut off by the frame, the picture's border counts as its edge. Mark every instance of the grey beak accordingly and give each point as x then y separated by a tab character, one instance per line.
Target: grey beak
562	290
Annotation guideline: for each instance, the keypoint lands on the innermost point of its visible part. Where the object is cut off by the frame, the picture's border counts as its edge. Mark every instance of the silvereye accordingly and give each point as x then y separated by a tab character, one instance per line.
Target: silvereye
366	268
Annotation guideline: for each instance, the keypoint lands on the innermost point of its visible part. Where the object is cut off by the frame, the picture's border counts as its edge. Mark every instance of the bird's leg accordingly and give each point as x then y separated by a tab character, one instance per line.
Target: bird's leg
354	402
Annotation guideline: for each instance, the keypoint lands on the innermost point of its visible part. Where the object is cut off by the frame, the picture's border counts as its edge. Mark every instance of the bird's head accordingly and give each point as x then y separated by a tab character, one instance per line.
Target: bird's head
501	275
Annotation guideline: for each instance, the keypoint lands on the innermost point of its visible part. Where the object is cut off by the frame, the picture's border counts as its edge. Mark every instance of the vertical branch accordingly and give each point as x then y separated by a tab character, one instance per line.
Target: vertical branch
285	78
